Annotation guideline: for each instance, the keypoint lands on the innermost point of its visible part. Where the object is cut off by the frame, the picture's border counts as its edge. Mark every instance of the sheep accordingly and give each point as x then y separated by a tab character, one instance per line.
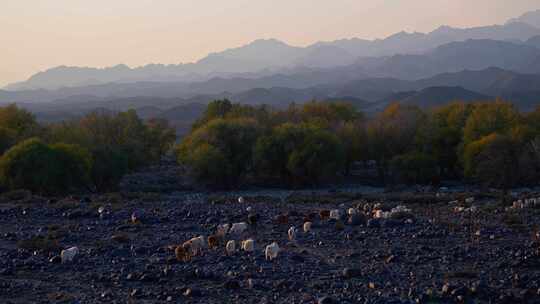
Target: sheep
335	214
271	251
248	245
469	200
307	226
230	248
182	254
222	229
67	255
381	214
238	228
352	211
195	245
213	241
134	218
324	214
292	234
241	199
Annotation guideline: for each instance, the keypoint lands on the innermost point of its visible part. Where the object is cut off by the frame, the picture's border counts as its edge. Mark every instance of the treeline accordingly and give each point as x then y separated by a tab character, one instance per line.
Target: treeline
90	154
492	144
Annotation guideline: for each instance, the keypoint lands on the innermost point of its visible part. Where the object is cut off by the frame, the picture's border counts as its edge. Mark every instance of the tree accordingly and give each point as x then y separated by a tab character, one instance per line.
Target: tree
109	166
442	134
161	137
299	154
493	160
393	132
20	121
76	165
487	118
231	139
33	165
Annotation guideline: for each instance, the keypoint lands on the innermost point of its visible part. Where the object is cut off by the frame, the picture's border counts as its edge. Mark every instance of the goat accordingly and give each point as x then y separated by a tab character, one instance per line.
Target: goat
292	233
67	255
238	228
307	226
271	251
230	248
182	253
324	214
248	245
213	241
335	214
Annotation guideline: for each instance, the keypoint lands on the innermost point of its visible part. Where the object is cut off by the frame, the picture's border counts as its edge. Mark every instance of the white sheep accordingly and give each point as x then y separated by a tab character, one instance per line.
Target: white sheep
230	248
238	228
379	214
292	233
248	245
352	211
67	255
271	251
195	245
222	229
307	226
335	214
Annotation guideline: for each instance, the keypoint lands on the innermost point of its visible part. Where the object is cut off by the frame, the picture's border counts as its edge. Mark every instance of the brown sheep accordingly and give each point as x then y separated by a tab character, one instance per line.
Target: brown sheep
213	241
182	254
324	214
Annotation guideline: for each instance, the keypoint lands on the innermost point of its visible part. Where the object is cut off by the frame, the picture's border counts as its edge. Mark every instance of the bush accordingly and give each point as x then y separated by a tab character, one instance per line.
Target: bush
35	166
108	168
299	154
220	152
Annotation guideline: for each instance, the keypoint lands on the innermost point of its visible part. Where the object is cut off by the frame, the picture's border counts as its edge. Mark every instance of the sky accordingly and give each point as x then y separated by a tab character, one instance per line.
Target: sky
39	34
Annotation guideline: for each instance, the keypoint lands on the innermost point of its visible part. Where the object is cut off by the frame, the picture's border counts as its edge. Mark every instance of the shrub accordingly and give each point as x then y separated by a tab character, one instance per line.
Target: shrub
220	151
299	154
109	166
35	166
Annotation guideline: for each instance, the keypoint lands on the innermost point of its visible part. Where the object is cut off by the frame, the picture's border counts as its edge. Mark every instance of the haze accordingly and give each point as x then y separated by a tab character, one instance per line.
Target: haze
40	34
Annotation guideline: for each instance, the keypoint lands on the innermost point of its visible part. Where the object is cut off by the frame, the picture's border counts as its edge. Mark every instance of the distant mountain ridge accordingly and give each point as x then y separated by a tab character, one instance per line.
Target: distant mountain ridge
269	57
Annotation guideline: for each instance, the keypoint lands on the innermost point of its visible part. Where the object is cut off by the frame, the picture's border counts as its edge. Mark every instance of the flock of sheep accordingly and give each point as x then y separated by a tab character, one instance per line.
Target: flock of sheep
231	234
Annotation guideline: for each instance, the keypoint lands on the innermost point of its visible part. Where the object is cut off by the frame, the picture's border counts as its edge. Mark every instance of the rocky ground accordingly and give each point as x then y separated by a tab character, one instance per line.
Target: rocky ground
437	253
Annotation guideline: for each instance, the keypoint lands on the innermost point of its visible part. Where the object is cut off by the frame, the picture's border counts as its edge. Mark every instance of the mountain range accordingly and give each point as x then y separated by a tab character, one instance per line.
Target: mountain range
425	69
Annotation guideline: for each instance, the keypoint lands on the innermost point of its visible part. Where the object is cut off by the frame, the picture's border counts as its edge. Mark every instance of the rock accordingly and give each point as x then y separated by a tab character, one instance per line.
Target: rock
231	284
373	223
191	292
55	260
135	293
326	300
351	273
356	220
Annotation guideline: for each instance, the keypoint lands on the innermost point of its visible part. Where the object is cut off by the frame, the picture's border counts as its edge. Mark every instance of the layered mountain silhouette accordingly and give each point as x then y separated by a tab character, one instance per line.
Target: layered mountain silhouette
425	69
271	56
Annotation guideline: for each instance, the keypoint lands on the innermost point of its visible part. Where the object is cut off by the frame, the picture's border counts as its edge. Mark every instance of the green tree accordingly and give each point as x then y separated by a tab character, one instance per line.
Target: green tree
33	165
393	132
161	137
231	139
299	154
20	121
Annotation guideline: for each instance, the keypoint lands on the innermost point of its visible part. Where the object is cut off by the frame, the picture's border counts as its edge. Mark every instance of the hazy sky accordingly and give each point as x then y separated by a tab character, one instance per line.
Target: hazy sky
39	34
